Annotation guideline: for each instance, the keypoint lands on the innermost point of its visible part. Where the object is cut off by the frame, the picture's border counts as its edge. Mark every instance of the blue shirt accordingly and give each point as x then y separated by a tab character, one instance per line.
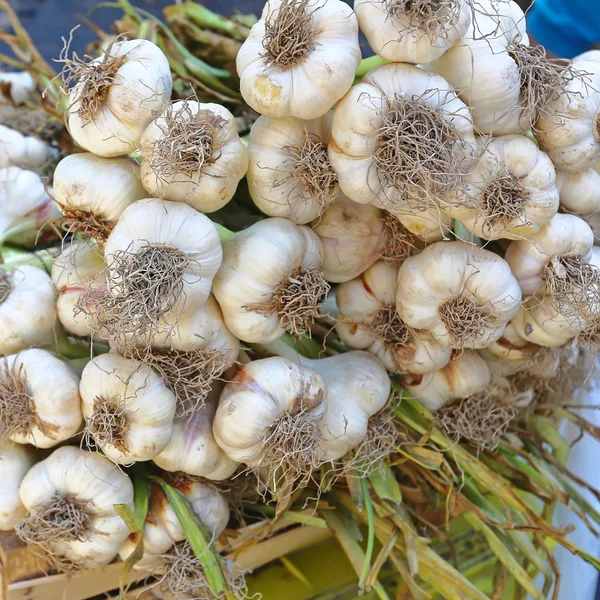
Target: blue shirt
565	27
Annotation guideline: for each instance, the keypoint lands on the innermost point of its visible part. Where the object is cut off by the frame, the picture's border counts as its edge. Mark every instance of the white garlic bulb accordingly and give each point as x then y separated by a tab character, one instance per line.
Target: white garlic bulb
289	174
25	151
579	192
368	320
466	375
128	409
15	461
70	497
462	294
117	95
192	153
16	88
299	58
27	309
271	280
92	192
40	402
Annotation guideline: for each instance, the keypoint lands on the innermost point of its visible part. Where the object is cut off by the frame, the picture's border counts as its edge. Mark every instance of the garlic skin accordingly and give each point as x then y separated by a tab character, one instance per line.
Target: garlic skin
53	389
566	236
100	188
361	114
144	405
579	192
511	348
162	528
430	225
261	393
175	225
447	278
464	376
285	82
361	301
569	134
27	309
353	239
279	176
72	272
27	152
94	482
510	165
20	87
255	263
394	37
138	89
15	461
212	182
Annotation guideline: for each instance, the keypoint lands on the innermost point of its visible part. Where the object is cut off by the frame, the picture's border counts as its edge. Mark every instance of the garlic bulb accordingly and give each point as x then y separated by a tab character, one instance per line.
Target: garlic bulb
193	448
579	192
15	461
466	375
27	309
27	152
570	132
39	403
289	174
162	528
462	294
25	207
368	320
73	271
412	32
192	153
300	58
128	409
16	88
268	417
271	280
511	191
70	497
116	96
92	192
378	149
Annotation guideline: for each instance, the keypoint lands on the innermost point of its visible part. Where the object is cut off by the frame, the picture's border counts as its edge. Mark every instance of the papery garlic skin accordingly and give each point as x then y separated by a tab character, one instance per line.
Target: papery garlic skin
90	479
511	348
20	87
430	225
464	376
15	461
277	187
211	186
456	272
566	236
139	90
54	391
353	239
27	310
396	39
136	392
255	262
360	302
528	173
579	192
261	393
25	151
175	225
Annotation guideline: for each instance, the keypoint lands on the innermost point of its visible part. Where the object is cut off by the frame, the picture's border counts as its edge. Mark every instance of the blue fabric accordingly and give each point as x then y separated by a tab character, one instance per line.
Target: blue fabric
565	27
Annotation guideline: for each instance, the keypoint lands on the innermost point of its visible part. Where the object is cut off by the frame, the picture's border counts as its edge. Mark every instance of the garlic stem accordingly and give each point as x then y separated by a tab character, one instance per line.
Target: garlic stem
224	234
368	64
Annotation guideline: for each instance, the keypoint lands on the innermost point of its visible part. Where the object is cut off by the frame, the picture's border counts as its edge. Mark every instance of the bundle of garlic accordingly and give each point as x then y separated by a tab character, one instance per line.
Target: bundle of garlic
25	151
15	461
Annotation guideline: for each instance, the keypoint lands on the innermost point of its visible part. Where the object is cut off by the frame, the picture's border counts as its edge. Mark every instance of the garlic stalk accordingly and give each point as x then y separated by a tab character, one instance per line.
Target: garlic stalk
39	399
462	294
18	150
299	58
368	320
92	192
27	309
579	192
378	149
16	88
115	96
290	175
15	461
510	192
192	153
70	497
413	32
271	280
127	407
